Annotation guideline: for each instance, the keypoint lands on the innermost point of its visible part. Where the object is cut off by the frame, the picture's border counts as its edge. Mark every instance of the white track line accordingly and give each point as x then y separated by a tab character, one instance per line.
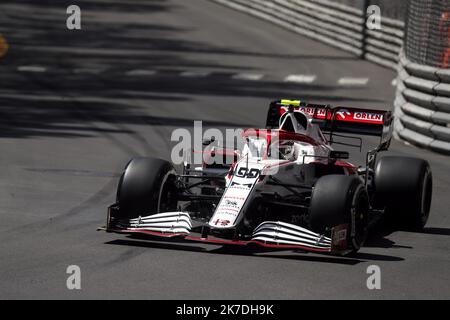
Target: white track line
248	76
31	69
195	74
300	78
348	81
140	72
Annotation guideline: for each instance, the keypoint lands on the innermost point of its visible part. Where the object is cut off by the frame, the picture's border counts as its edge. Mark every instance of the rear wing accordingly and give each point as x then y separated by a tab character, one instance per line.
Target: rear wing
338	119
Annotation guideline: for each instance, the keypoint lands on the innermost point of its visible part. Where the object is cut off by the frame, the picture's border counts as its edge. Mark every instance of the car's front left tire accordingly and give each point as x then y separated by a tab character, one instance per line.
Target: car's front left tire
146	187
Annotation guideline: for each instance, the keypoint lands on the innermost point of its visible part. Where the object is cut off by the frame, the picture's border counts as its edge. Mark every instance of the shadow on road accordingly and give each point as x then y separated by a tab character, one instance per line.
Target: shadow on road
86	79
255	252
378	237
436	231
157	245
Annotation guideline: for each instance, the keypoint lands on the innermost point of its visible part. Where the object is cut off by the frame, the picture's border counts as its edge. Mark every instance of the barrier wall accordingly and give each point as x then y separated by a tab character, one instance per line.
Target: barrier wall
337	24
422	104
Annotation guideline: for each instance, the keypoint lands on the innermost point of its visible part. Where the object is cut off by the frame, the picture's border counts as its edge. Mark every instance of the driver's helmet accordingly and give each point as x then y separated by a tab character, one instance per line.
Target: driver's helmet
287	150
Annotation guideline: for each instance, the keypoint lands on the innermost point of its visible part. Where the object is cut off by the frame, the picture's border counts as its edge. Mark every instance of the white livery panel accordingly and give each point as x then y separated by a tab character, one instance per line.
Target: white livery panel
234	199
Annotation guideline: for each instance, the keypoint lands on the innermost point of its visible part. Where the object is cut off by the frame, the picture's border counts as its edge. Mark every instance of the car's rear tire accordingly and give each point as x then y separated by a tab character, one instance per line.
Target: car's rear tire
403	187
337	200
146	187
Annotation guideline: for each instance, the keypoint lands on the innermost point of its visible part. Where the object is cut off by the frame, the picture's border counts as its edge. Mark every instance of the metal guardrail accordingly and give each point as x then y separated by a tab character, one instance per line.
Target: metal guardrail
336	24
422	105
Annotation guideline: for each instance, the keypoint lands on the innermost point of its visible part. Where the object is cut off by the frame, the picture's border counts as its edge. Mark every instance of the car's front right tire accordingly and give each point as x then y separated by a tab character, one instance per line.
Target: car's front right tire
338	200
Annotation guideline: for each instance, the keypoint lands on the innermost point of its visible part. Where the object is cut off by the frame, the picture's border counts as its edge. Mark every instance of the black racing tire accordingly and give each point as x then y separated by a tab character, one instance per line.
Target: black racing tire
403	186
337	200
146	187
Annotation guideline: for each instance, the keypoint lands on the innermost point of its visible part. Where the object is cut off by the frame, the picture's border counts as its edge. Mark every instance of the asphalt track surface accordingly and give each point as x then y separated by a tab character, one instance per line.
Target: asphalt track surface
73	110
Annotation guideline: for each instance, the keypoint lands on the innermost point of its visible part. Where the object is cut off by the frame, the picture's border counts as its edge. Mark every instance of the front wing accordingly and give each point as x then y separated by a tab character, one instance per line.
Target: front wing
269	234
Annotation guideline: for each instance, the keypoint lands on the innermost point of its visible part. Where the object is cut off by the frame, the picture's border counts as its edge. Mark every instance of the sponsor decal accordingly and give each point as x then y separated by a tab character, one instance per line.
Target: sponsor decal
369	117
311	111
339	237
342	114
245	186
321	113
247	173
231	203
359	116
221	222
235	197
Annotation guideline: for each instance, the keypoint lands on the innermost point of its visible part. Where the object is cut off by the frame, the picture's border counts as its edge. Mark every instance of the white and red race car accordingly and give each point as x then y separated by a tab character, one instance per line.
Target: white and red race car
287	188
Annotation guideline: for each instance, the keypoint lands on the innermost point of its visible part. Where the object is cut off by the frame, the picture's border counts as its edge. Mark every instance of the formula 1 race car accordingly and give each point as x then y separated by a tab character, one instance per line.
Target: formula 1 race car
287	188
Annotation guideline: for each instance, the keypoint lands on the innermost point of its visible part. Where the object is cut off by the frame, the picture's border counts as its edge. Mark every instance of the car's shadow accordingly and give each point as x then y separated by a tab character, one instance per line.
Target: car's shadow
380	235
251	251
378	238
436	231
304	256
